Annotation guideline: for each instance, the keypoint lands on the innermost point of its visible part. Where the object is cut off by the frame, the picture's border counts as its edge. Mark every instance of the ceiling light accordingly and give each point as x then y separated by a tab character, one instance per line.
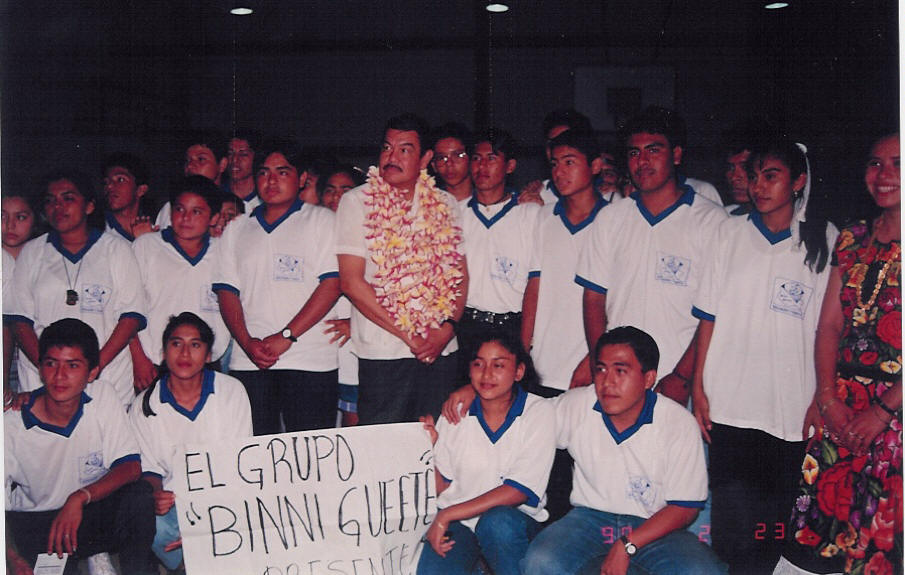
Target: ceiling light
241	11
776	5
497	8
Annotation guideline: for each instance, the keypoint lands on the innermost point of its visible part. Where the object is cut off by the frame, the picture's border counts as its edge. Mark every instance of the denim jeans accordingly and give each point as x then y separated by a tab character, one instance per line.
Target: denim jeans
502	536
580	541
167	532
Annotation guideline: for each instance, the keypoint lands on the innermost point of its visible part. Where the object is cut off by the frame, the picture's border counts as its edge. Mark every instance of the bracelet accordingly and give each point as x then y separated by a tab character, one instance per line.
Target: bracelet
88	493
879	402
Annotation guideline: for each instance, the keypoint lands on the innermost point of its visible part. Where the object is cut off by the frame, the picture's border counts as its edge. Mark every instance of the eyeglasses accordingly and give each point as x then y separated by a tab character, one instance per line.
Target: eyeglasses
456	156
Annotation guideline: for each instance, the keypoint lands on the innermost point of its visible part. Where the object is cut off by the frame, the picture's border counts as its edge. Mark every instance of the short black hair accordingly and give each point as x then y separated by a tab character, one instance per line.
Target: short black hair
409	122
570	117
210	192
79	179
642	344
250	135
455	130
130	162
188	318
358	178
500	141
209	138
287	147
656	120
530	380
582	140
70	332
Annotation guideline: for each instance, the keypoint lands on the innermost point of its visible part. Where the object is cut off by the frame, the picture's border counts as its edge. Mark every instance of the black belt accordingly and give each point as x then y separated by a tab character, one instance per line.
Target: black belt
491	317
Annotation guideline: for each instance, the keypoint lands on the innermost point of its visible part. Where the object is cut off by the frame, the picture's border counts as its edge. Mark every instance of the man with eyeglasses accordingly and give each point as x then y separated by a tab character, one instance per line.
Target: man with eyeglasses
452	148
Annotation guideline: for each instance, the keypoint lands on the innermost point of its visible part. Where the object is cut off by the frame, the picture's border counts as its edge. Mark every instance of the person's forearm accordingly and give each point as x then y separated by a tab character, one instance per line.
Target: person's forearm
155	481
504	495
317	306
594	312
662	523
826	342
125	328
27	339
529	311
234	317
136	350
685	367
122	474
363	297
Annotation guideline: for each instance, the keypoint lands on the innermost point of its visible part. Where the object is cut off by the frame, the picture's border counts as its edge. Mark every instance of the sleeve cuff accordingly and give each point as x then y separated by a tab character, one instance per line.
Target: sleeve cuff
532	500
126	459
152	474
701	314
13	318
142	320
589	285
688	504
534	274
215	287
328	275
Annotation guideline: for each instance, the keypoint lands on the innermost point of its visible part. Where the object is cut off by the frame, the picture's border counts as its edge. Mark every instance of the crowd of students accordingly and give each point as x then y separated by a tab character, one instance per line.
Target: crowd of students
607	323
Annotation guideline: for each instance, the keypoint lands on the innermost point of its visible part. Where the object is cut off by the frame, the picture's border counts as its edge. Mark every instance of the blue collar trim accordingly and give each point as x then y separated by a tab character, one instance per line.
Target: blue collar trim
774	238
516	409
687	197
54	238
30	420
258	213
207	388
250	196
170	238
474	205
114	225
646	416
559	209
740	210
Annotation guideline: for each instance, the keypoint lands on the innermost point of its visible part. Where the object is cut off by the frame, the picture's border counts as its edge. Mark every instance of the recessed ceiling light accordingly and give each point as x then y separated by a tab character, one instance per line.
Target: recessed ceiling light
776	5
497	8
241	11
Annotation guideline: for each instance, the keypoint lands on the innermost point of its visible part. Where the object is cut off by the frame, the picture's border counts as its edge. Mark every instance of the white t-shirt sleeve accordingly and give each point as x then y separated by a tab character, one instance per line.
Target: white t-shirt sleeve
130	296
118	440
530	469
708	295
350	230
226	270
685	483
327	266
152	457
593	261
21	295
443	455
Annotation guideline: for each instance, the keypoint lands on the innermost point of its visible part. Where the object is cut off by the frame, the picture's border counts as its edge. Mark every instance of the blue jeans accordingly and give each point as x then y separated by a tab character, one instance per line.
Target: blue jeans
502	536
167	532
580	541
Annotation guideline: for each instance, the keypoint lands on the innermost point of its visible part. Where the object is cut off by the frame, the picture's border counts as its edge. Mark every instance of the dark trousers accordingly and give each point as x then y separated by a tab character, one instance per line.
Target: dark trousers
754	480
306	399
121	523
399	390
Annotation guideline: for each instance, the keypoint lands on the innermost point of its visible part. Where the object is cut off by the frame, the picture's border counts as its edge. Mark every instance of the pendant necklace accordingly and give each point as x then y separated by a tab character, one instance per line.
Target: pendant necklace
72	296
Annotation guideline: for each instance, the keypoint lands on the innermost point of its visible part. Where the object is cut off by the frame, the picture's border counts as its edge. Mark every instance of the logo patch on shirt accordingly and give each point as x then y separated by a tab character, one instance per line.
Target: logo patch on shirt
641	489
504	269
790	297
94	297
209	300
287	267
672	269
91	467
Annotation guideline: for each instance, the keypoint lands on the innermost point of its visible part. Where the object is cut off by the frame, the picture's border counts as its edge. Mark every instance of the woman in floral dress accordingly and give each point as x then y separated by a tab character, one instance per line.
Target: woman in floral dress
848	515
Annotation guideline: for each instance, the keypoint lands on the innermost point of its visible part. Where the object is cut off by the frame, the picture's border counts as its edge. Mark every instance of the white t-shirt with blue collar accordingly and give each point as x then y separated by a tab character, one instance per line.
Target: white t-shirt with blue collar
559	340
47	463
520	454
222	412
765	302
106	278
173	283
658	461
650	267
274	269
499	247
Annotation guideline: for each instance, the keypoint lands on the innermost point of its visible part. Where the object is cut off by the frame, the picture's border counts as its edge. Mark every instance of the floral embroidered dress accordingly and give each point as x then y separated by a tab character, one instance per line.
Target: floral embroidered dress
849	514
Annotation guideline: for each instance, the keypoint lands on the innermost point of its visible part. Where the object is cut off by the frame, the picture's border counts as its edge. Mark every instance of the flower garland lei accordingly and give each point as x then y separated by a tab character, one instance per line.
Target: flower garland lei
418	273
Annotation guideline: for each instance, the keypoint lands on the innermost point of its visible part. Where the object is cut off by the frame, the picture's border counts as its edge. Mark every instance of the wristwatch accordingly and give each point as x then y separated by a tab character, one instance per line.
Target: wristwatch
630	548
287	333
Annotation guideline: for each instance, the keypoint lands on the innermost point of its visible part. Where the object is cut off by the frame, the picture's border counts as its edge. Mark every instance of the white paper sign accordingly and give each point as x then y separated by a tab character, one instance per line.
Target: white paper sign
353	501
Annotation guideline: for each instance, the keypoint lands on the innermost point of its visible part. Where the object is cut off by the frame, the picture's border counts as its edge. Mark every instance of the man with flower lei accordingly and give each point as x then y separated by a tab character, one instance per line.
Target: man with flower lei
398	244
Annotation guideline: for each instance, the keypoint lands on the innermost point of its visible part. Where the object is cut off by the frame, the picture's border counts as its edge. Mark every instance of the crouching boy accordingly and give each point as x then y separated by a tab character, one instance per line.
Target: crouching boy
72	463
640	475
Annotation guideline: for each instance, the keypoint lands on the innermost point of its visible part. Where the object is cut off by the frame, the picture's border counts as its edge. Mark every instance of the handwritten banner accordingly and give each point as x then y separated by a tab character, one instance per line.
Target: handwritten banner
350	501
